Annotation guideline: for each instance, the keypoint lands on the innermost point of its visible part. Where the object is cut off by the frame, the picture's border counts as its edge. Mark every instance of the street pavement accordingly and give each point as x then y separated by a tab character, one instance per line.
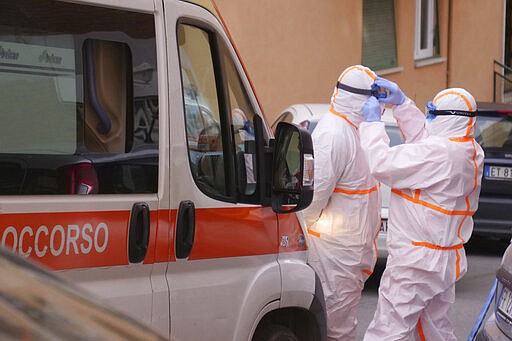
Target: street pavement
484	258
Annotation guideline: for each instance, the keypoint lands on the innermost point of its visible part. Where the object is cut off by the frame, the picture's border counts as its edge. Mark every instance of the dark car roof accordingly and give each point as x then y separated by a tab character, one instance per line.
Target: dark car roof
494	108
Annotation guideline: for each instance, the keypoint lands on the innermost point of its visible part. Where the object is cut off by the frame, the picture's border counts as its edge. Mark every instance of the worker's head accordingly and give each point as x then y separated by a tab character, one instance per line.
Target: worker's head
452	109
352	89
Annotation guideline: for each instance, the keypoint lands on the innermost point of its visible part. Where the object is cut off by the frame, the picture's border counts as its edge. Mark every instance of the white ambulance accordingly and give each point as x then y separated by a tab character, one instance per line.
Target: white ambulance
135	161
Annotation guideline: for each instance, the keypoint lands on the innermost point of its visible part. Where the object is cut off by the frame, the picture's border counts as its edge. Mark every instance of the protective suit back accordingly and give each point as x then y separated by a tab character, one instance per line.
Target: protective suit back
344	218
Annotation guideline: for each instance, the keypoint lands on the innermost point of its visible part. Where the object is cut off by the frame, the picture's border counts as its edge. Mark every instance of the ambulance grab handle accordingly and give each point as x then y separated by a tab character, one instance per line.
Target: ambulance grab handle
185	229
138	238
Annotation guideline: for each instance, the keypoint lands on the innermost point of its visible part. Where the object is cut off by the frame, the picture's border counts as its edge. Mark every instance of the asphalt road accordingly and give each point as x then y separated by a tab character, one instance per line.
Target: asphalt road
484	257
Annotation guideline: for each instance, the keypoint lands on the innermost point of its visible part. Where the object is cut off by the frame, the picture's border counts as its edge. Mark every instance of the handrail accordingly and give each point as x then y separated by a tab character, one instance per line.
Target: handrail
501	74
506	67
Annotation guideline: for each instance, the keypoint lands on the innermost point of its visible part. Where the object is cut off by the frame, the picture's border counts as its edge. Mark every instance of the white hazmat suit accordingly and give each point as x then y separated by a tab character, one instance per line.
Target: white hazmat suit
435	179
344	217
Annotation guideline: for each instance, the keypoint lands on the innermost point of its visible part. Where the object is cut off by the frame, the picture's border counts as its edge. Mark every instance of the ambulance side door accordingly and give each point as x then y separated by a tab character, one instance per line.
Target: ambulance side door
224	269
83	180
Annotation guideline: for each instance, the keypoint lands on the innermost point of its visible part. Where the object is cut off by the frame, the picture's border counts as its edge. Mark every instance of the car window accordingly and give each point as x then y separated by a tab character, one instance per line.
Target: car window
202	112
242	127
79	100
494	131
215	101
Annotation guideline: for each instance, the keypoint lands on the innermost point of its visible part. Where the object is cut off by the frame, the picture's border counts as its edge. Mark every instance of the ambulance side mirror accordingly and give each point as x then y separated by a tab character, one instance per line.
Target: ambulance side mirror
292	169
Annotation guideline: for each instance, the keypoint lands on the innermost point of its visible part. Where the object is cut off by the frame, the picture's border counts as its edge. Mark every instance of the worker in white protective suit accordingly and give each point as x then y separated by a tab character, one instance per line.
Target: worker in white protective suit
344	218
435	179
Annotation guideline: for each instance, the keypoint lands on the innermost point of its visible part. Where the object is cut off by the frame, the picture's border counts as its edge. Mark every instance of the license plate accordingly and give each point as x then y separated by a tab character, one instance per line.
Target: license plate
505	303
497	172
384	226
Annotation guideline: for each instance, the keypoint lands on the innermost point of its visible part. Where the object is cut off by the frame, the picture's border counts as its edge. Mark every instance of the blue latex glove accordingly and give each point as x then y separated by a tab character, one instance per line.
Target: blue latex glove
371	110
396	96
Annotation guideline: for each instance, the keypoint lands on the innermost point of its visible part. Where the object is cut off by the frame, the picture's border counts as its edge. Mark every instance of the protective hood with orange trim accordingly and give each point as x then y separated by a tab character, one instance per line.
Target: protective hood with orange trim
450	125
350	103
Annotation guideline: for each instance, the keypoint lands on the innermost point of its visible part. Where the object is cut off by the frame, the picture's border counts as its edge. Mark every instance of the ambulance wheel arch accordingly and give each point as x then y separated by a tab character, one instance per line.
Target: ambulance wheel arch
288	323
285	319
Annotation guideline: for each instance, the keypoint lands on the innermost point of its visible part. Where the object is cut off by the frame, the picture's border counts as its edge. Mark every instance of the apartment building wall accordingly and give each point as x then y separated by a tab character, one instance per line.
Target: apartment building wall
477	40
294	50
420	81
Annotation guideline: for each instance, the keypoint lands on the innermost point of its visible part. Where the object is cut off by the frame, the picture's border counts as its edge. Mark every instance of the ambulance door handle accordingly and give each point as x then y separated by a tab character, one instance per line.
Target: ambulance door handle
138	238
185	229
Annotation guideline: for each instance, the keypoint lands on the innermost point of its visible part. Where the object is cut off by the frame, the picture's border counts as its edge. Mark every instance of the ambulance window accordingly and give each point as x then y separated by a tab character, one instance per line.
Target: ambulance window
242	127
79	99
202	112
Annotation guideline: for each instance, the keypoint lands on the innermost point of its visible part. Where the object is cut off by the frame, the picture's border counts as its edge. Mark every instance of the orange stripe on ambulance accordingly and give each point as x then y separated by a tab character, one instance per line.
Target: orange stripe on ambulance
56	240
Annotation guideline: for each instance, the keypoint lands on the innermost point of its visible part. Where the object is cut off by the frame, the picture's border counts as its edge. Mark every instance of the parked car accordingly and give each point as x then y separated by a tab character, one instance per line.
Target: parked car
304	115
498	326
494	133
307	116
36	305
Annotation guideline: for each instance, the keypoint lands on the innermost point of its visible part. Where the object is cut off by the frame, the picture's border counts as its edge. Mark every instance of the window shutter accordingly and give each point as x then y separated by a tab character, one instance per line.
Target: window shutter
379	40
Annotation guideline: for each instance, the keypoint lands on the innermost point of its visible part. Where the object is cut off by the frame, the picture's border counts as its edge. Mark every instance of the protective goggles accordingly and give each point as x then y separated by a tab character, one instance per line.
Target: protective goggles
432	112
375	91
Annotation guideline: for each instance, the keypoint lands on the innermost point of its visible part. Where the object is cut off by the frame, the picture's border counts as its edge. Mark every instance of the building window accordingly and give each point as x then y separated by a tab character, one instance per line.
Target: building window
379	39
426	34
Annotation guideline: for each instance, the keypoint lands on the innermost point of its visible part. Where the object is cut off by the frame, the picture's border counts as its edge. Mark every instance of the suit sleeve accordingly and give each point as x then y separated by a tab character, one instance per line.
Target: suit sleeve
410	165
411	121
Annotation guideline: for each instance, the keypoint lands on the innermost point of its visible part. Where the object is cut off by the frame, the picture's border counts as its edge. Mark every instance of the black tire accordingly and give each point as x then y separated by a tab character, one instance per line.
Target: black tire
274	332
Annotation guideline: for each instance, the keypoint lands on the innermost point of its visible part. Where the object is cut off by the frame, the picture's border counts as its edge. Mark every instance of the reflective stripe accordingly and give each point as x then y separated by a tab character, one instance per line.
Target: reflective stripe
73	240
355	191
457	265
470	125
314	233
331	109
464	98
368	72
369	272
462	139
476	166
438	247
431	206
420	331
475	181
402	133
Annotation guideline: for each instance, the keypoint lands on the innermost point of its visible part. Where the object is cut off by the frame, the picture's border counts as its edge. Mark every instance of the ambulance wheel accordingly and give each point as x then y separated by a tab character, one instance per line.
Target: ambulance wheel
274	332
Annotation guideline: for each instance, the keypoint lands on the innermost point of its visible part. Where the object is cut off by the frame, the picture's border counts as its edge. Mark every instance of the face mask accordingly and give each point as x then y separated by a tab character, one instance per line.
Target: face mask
432	112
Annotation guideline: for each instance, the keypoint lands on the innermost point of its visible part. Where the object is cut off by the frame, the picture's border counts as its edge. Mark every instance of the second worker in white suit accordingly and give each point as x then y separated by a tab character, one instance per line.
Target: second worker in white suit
435	179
